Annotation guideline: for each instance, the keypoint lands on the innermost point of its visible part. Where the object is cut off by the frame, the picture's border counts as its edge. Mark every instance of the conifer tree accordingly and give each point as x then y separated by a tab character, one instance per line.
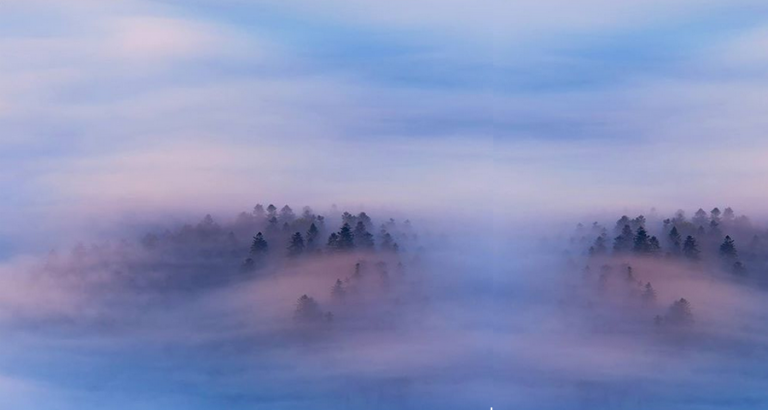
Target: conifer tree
675	240
654	247
307	310
700	218
690	248
346	238
312	235
338	292
728	249
333	241
641	242
623	242
363	239
296	245
679	313
259	246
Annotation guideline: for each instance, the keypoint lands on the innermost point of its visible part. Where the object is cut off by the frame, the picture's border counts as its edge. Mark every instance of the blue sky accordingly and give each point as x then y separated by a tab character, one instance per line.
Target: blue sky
354	102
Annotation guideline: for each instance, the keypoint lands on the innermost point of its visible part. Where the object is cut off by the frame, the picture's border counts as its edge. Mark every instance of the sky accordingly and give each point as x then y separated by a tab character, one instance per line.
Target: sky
108	108
120	115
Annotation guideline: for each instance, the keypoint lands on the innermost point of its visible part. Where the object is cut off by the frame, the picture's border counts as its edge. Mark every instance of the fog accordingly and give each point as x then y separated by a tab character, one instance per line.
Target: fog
173	318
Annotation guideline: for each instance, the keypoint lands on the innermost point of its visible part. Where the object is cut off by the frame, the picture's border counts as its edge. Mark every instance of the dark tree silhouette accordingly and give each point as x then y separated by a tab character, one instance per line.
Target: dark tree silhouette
312	235
641	243
620	224
338	292
307	310
690	248
287	215
333	241
296	245
679	314
714	214
599	247
654	247
363	238
728	249
728	215
675	240
271	211
623	242
346	238
258	211
259	246
387	243
700	218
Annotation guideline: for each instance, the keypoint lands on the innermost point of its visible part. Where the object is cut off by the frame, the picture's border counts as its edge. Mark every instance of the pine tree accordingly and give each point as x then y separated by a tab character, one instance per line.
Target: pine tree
680	313
654	247
728	215
675	240
599	247
623	242
259	247
333	241
700	217
728	249
714	214
346	238
312	235
271	211
286	214
641	242
387	243
258	211
307	310
296	245
690	249
363	238
338	292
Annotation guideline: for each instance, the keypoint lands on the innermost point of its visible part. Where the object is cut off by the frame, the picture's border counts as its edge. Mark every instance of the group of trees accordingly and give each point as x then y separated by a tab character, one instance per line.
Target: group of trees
682	238
309	311
632	289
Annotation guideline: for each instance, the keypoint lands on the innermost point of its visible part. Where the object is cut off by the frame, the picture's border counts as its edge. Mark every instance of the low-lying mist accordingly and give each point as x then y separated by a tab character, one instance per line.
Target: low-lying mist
282	309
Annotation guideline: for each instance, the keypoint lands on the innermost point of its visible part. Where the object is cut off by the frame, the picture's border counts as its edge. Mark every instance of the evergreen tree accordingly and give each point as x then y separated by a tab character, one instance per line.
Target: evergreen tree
387	243
259	247
599	247
258	211
680	313
620	224
700	218
338	292
307	310
714	214
363	238
728	249
690	248
296	245
641	242
675	240
286	214
654	247
365	219
638	223
271	211
728	215
312	235
623	242
333	241
346	238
